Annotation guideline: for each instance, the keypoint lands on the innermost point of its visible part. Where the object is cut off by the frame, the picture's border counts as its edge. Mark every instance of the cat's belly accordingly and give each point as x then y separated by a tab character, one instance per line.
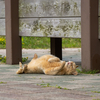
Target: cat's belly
35	70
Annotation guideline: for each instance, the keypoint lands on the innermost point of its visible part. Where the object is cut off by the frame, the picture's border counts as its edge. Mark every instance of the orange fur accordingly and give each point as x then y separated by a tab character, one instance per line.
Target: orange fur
48	64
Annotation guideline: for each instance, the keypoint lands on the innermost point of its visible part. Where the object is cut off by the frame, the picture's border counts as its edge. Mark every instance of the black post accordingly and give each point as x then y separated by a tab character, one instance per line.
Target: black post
56	47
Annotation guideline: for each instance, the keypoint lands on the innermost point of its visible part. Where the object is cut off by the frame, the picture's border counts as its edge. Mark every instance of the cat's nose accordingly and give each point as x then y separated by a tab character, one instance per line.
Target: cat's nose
70	63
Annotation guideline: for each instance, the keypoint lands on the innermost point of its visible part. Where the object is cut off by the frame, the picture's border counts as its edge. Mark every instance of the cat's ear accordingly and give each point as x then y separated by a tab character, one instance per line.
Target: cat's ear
20	64
35	56
75	73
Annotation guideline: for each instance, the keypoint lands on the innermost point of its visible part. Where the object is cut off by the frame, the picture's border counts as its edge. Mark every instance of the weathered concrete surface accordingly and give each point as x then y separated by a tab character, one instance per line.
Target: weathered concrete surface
30	86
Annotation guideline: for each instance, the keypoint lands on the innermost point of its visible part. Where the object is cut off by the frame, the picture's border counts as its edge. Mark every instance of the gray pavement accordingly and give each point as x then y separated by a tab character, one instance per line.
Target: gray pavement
46	87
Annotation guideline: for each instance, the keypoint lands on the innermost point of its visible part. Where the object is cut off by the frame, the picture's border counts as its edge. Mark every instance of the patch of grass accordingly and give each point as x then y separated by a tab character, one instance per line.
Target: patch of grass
42	81
42	84
2	46
71	43
2	42
3	82
45	85
35	42
48	85
24	59
59	87
95	99
42	42
87	71
3	59
95	91
65	89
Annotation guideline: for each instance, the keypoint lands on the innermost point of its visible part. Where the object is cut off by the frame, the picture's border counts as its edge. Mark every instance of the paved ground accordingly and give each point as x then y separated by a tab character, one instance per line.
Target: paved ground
46	87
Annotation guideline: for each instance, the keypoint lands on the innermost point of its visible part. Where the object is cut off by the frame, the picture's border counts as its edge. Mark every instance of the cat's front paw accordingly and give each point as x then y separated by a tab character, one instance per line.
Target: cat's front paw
20	71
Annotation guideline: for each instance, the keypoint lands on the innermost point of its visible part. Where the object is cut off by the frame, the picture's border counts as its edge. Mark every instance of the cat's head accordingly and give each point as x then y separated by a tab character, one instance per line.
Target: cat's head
71	68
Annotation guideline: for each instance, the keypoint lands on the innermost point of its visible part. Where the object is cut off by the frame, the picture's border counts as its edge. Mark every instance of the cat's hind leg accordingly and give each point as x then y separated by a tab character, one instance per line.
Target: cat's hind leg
54	70
54	59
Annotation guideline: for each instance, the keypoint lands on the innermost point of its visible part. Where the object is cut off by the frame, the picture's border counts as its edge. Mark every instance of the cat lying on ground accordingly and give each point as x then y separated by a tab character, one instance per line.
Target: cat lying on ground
48	64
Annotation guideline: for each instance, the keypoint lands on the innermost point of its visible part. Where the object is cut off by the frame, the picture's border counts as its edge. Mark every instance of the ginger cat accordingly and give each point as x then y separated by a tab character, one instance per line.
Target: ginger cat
48	64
